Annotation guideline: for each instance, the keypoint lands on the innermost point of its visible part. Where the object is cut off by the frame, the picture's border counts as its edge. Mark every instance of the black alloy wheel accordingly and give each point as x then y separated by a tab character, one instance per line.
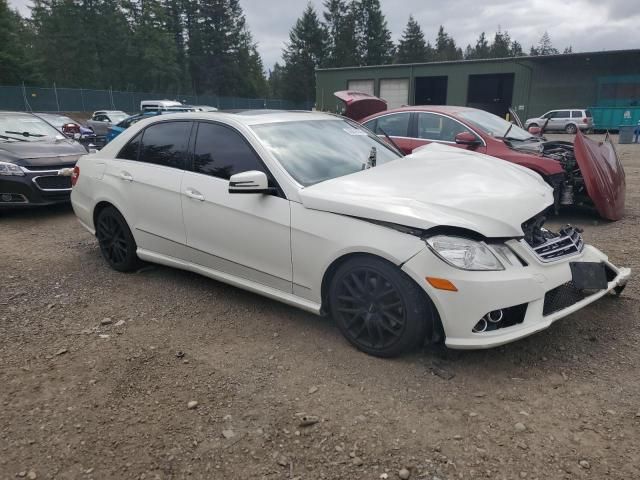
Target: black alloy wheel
117	244
378	308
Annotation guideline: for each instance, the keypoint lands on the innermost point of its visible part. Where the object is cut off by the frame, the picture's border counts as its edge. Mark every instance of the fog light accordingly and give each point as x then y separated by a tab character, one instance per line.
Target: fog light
480	327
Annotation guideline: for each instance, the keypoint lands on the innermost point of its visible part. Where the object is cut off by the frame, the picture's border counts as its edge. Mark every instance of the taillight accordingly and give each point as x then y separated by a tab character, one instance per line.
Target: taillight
585	120
75	175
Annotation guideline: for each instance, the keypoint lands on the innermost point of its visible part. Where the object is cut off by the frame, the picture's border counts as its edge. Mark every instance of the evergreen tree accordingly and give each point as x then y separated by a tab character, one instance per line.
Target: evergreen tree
303	54
481	50
445	47
516	49
568	49
412	46
276	81
374	38
501	46
341	45
16	65
544	46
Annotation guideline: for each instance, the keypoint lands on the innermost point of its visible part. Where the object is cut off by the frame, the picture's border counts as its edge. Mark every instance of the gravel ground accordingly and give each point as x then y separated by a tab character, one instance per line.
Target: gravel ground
98	370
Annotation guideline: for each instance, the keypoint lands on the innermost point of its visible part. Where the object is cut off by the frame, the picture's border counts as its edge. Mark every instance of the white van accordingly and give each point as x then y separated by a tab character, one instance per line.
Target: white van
155	105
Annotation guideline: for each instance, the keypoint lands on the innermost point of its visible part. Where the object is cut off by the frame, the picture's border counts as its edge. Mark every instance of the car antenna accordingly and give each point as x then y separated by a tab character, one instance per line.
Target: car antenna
391	141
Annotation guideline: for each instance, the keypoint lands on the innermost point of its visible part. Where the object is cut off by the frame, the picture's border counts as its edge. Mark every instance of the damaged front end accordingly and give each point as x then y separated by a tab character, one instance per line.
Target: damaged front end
593	174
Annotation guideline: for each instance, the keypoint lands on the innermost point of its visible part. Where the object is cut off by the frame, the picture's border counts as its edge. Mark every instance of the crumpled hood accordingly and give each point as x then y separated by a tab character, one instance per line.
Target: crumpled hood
438	186
41	153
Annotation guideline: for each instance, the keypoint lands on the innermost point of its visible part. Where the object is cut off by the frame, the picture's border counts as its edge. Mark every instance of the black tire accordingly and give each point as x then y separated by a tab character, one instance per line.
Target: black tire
379	308
571	129
117	244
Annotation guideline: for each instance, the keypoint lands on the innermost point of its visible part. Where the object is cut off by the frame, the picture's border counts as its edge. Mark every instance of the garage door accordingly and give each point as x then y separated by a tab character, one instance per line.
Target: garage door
364	86
395	91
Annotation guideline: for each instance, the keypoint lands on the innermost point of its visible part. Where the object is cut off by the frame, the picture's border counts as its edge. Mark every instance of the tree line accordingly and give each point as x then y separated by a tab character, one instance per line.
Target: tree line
206	47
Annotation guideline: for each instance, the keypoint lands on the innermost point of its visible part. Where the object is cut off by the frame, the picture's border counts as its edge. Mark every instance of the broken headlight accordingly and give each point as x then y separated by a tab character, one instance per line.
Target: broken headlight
464	253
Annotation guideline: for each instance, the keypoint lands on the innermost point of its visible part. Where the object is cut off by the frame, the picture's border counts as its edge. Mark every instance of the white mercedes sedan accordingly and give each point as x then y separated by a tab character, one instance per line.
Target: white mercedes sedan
314	210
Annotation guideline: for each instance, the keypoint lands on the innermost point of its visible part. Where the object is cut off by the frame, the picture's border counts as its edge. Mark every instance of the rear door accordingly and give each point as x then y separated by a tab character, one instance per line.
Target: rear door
397	126
434	127
146	177
244	235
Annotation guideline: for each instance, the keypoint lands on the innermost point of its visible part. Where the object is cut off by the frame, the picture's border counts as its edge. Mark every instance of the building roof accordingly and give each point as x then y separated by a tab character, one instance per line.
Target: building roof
535	58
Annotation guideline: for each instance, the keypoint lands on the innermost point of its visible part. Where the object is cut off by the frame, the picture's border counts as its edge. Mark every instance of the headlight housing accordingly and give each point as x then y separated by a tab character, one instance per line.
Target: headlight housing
464	253
7	169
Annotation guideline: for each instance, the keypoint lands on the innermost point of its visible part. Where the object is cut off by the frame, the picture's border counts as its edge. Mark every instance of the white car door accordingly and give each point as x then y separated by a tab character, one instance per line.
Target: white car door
244	235
146	178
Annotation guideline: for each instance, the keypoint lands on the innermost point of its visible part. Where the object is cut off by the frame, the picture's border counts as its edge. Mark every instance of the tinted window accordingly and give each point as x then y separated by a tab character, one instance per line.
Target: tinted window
576	114
222	152
562	114
130	150
396	125
165	144
438	128
371	124
588	113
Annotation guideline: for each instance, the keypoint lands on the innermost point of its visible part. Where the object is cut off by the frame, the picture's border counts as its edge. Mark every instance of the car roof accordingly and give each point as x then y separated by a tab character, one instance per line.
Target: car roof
429	108
253	117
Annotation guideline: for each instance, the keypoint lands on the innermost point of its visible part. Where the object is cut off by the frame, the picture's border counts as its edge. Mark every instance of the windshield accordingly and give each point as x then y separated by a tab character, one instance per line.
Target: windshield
493	125
25	127
313	151
56	120
117	117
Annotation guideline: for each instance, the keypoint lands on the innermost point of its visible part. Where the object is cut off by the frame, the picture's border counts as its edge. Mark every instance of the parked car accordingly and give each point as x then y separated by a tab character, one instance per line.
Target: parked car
314	210
34	161
569	120
72	129
203	108
116	130
102	120
155	105
582	173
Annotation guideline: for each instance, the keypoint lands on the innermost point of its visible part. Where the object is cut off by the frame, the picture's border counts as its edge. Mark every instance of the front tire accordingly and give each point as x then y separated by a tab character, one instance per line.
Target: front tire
117	244
378	308
571	129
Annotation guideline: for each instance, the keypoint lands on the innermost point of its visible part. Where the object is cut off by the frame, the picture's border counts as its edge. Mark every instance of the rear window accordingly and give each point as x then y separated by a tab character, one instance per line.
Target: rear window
588	113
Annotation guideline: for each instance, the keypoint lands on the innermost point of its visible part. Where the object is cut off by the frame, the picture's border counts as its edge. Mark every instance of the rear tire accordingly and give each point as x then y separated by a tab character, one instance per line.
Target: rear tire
571	129
379	308
117	244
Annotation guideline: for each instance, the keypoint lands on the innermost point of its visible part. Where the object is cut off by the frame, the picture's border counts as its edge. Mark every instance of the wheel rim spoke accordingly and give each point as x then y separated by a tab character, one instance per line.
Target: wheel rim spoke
112	239
371	308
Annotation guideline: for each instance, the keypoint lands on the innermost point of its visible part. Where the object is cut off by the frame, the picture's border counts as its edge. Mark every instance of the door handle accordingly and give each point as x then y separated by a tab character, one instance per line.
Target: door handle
191	193
126	176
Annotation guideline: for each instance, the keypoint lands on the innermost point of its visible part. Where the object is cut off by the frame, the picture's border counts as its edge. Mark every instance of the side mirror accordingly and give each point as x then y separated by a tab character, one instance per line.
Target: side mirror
467	138
252	181
535	130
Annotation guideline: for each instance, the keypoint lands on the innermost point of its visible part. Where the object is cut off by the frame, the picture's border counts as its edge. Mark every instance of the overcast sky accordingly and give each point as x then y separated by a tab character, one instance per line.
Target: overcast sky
587	25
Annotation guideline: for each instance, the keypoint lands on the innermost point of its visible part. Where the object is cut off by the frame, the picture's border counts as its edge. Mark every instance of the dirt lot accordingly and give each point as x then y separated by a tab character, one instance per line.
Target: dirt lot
80	399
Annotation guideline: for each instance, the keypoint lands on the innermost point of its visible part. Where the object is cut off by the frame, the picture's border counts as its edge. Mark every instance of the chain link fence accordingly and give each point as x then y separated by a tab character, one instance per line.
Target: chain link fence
43	99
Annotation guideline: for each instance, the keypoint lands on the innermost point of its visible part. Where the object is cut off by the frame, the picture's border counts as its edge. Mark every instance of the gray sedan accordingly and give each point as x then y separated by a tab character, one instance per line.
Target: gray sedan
102	120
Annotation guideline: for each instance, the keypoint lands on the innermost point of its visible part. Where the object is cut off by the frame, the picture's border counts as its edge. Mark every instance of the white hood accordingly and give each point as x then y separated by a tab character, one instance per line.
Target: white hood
438	186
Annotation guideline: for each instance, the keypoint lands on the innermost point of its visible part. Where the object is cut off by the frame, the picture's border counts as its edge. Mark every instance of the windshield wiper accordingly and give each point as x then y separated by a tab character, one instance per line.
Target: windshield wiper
392	142
26	134
5	137
506	134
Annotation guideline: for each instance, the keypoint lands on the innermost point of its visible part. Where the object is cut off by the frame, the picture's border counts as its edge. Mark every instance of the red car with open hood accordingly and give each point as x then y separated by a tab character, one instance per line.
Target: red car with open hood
584	172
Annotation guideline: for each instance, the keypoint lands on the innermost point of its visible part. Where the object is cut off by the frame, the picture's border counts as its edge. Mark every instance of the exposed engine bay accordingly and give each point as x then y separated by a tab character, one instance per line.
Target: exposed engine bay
550	246
569	189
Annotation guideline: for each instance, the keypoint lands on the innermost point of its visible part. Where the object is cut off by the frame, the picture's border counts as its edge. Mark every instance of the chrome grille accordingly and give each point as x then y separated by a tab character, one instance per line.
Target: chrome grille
568	242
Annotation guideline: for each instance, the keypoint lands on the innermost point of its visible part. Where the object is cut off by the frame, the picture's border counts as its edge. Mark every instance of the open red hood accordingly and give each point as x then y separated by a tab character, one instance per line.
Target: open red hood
603	175
359	105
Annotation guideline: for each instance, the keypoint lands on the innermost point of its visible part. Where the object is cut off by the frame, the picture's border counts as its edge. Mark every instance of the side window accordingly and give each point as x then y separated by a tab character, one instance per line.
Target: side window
222	152
99	118
130	150
438	128
107	119
576	114
550	115
371	124
165	144
394	125
562	114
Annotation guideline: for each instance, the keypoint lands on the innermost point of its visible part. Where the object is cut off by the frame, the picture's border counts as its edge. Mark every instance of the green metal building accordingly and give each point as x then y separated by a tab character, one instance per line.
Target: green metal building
531	85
